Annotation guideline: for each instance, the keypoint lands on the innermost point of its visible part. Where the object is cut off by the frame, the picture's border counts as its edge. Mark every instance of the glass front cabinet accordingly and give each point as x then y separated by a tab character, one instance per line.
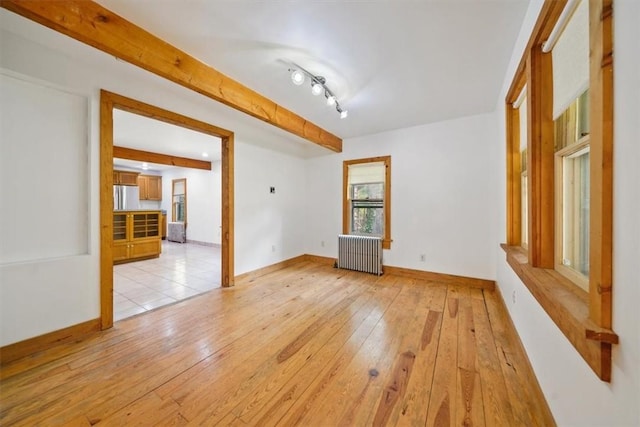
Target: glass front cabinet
136	235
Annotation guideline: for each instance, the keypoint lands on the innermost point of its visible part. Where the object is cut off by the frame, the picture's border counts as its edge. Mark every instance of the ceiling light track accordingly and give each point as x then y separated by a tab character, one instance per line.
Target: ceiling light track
318	86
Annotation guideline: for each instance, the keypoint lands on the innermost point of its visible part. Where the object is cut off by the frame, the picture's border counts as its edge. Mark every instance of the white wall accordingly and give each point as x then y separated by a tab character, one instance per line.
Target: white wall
72	296
575	394
443	196
204	193
274	225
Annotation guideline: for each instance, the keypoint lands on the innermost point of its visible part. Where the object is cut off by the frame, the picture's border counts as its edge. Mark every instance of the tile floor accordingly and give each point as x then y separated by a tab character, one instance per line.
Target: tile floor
182	271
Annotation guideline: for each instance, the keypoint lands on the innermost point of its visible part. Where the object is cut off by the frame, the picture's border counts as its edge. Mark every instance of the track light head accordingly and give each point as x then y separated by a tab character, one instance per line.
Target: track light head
316	89
343	113
297	77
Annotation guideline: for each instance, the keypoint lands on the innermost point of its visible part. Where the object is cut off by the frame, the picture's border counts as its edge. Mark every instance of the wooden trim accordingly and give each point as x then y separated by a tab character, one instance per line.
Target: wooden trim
386	241
568	306
228	215
601	153
320	259
162	159
25	348
514	207
345	198
109	101
92	24
541	159
549	14
254	274
451	279
140	108
470	282
106	209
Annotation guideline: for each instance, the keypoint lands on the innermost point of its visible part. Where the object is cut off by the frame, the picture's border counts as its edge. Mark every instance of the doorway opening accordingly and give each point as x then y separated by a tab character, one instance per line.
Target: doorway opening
109	102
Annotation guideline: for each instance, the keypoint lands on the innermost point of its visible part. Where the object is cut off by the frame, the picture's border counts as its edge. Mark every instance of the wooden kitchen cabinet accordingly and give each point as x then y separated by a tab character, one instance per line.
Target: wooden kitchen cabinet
136	235
125	178
150	187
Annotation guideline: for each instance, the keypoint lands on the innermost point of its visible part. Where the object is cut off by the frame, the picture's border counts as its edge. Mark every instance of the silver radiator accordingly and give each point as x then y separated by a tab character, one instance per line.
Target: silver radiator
360	253
176	232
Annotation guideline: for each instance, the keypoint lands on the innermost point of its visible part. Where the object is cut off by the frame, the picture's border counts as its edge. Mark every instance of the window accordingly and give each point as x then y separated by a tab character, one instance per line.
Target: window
559	187
366	198
521	106
524	194
572	176
367	204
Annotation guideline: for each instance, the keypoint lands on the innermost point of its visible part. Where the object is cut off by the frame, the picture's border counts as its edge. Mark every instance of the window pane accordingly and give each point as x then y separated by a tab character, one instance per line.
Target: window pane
524	214
367	219
573	123
575	248
368	191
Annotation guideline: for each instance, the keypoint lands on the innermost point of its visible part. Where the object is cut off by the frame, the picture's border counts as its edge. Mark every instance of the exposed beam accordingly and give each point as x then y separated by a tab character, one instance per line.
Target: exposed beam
162	159
96	26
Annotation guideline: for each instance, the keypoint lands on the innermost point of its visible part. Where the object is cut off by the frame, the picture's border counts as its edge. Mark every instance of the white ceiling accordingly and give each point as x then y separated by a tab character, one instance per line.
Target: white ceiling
143	133
392	64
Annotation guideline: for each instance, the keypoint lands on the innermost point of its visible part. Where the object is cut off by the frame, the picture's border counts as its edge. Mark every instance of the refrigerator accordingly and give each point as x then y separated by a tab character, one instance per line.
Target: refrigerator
126	197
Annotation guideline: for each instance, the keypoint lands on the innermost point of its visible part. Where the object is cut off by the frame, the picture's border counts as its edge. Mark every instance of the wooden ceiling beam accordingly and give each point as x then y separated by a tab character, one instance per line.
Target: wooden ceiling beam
162	159
90	23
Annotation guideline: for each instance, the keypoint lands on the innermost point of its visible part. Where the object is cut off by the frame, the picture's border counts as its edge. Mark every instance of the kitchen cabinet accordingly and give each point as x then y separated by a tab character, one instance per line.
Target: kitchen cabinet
136	235
150	187
125	178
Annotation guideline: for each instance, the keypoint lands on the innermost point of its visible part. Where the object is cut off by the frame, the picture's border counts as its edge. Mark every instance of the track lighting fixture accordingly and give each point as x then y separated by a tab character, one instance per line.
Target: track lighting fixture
318	86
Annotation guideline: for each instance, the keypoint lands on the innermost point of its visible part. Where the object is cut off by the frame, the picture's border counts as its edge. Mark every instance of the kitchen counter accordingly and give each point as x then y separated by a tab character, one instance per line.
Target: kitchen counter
163	212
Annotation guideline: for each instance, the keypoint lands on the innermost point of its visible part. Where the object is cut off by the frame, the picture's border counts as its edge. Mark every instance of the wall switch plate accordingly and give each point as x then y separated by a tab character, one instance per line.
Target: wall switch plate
423	258
272	190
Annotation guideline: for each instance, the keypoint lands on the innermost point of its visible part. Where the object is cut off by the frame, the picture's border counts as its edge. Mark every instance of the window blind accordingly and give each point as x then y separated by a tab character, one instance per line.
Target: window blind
364	173
571	60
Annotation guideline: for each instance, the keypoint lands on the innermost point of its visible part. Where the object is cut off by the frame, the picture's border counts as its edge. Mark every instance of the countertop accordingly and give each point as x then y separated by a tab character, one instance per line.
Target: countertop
162	211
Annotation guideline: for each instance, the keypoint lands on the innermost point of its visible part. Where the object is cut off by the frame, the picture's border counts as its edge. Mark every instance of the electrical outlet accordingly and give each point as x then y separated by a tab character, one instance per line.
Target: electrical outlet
273	248
423	258
322	243
513	297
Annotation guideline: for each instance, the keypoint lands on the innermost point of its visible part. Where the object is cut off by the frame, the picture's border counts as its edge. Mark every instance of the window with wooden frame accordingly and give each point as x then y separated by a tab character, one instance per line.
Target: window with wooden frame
366	204
567	194
572	178
520	107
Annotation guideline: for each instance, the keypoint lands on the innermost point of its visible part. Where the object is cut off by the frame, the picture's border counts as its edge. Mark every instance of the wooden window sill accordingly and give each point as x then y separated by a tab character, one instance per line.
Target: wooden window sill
568	307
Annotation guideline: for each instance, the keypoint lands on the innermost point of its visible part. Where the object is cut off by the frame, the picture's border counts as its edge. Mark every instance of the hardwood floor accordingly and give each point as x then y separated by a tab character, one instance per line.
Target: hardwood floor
307	345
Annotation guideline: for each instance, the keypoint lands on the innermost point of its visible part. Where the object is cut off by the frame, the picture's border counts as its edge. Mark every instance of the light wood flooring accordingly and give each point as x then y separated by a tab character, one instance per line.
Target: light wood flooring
307	345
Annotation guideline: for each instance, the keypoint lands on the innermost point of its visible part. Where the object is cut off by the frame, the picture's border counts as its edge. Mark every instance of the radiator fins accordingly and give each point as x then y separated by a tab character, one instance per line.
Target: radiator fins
360	253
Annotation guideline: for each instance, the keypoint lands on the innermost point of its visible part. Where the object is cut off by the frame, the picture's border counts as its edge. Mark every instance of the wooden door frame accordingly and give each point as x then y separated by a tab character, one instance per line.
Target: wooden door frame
109	101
